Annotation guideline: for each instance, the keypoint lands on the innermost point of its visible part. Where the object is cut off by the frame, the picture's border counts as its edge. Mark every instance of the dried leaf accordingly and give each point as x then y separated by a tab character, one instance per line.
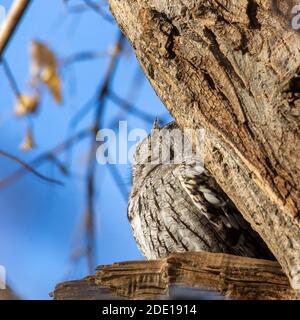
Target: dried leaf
44	68
42	56
28	143
52	80
26	104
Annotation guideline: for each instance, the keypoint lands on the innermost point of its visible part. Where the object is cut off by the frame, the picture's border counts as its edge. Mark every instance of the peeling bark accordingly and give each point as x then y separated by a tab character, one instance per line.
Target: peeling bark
229	67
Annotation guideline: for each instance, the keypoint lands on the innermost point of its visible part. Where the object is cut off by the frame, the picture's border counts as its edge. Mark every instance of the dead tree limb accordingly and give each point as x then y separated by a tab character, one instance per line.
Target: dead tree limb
231	276
231	67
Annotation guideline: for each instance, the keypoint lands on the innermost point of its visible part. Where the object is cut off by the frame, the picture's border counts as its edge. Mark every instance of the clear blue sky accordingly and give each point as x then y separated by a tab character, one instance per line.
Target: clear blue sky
38	221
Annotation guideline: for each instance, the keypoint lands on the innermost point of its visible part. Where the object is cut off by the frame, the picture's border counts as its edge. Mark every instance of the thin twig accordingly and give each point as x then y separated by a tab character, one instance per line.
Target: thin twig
91	171
46	157
14	86
131	95
98	9
122	103
27	167
83	56
88	5
13	18
11	79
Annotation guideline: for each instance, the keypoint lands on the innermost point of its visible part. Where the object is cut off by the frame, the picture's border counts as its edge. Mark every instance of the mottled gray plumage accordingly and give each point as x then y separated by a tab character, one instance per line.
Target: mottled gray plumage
177	208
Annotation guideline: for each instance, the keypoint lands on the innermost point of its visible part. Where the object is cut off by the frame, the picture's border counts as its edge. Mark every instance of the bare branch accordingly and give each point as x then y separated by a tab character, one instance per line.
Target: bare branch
11	79
127	106
83	56
91	171
98	9
27	167
82	112
11	22
90	5
46	156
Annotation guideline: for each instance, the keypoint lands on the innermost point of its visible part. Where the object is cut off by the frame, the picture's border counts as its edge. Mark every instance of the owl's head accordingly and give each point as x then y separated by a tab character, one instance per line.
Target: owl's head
159	145
164	149
151	153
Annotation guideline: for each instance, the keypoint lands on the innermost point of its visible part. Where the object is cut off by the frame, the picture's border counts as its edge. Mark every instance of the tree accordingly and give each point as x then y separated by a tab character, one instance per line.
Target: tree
231	67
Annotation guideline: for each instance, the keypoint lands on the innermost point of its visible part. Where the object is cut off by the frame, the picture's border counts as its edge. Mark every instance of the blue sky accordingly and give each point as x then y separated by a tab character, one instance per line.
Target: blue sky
38	221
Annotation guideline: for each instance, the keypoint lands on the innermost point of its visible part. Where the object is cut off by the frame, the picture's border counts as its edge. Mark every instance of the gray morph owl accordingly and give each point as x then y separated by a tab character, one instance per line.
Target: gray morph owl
175	207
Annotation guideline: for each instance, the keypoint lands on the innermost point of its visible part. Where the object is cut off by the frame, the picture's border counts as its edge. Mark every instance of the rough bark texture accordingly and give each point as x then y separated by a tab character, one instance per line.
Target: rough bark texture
84	289
229	66
210	274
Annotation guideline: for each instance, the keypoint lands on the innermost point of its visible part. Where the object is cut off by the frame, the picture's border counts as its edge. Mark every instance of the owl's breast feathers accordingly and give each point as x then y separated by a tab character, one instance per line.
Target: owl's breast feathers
181	208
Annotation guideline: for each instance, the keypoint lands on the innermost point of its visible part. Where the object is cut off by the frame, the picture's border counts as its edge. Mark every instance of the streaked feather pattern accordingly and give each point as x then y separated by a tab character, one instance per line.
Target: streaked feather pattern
177	208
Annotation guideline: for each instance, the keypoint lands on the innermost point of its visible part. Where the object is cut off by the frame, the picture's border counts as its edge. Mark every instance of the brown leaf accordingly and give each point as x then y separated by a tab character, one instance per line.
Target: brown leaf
26	104
28	143
52	80
42	56
44	69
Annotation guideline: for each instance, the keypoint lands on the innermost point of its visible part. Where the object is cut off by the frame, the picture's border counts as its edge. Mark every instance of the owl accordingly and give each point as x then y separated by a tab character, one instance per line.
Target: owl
177	206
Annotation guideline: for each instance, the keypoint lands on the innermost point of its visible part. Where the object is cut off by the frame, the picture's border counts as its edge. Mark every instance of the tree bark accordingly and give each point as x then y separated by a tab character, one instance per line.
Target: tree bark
211	275
230	67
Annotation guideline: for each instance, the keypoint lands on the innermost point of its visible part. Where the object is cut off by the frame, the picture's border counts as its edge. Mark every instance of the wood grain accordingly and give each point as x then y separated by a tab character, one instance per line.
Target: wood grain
211	275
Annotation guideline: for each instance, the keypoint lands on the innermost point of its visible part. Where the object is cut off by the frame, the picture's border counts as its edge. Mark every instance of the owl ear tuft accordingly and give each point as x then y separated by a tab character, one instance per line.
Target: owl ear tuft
155	124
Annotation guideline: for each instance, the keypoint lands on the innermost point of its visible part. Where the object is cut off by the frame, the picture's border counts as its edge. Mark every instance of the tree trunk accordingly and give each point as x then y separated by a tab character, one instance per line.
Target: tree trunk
230	67
209	274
